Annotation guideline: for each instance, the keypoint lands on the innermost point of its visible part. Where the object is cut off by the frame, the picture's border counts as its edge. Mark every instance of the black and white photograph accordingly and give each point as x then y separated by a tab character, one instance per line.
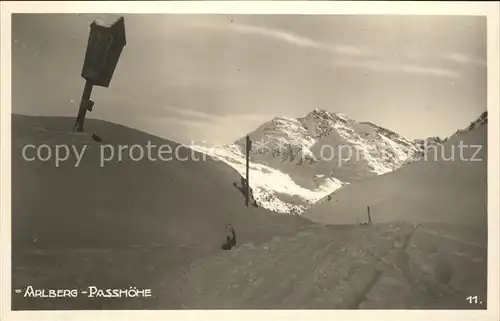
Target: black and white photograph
249	161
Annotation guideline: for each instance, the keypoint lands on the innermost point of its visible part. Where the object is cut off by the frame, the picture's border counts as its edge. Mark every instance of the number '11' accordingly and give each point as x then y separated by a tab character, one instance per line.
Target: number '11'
472	299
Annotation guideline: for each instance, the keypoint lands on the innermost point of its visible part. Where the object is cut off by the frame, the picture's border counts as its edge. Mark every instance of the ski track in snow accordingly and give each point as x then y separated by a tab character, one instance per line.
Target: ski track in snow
376	267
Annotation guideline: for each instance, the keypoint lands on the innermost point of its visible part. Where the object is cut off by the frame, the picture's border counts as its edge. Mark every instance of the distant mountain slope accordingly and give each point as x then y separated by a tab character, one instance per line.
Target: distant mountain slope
159	214
316	141
296	162
445	185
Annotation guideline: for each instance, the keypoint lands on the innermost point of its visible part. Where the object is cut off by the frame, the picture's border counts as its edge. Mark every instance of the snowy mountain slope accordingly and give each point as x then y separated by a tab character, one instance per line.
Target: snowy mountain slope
481	120
296	162
124	223
448	184
271	188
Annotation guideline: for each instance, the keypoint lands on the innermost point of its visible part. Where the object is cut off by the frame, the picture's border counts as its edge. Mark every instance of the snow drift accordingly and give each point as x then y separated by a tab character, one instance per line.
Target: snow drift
122	224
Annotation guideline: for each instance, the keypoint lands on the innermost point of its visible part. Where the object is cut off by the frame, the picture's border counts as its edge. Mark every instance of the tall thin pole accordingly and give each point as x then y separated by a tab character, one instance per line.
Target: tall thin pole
247	181
85	104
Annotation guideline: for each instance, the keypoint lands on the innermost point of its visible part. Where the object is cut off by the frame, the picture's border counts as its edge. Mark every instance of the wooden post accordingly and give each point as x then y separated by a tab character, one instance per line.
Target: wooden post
369	216
85	104
247	181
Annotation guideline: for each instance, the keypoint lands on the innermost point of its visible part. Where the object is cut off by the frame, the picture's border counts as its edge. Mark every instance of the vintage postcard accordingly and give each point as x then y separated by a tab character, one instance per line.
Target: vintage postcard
244	160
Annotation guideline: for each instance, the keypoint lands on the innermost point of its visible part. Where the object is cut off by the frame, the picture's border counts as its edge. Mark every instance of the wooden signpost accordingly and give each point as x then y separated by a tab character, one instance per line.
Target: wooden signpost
104	47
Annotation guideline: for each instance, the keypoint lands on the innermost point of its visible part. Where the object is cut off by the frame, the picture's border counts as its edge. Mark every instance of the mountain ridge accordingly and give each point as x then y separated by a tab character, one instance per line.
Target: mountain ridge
305	155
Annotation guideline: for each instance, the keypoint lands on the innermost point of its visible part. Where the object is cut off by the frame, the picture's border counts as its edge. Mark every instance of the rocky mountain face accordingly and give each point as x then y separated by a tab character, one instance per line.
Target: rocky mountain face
296	162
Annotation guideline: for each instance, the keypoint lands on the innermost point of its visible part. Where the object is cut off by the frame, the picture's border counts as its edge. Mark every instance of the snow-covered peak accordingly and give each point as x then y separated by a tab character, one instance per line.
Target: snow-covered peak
320	122
324	115
296	161
380	149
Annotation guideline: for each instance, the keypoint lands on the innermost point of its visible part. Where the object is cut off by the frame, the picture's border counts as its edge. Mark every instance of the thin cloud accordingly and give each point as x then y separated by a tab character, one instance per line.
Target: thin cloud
464	59
453	57
194	115
285	36
375	63
212	80
187	126
398	67
353	51
300	41
347	50
214	128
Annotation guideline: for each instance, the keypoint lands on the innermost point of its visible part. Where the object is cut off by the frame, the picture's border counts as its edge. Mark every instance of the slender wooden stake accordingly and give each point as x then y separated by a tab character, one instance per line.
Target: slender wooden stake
369	216
84	106
247	181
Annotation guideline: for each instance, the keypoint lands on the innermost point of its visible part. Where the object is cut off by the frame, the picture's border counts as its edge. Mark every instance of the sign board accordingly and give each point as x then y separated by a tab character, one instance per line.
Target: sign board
104	47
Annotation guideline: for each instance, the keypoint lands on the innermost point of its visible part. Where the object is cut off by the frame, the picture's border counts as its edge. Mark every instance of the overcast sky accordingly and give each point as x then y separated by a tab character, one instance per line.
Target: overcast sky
217	77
